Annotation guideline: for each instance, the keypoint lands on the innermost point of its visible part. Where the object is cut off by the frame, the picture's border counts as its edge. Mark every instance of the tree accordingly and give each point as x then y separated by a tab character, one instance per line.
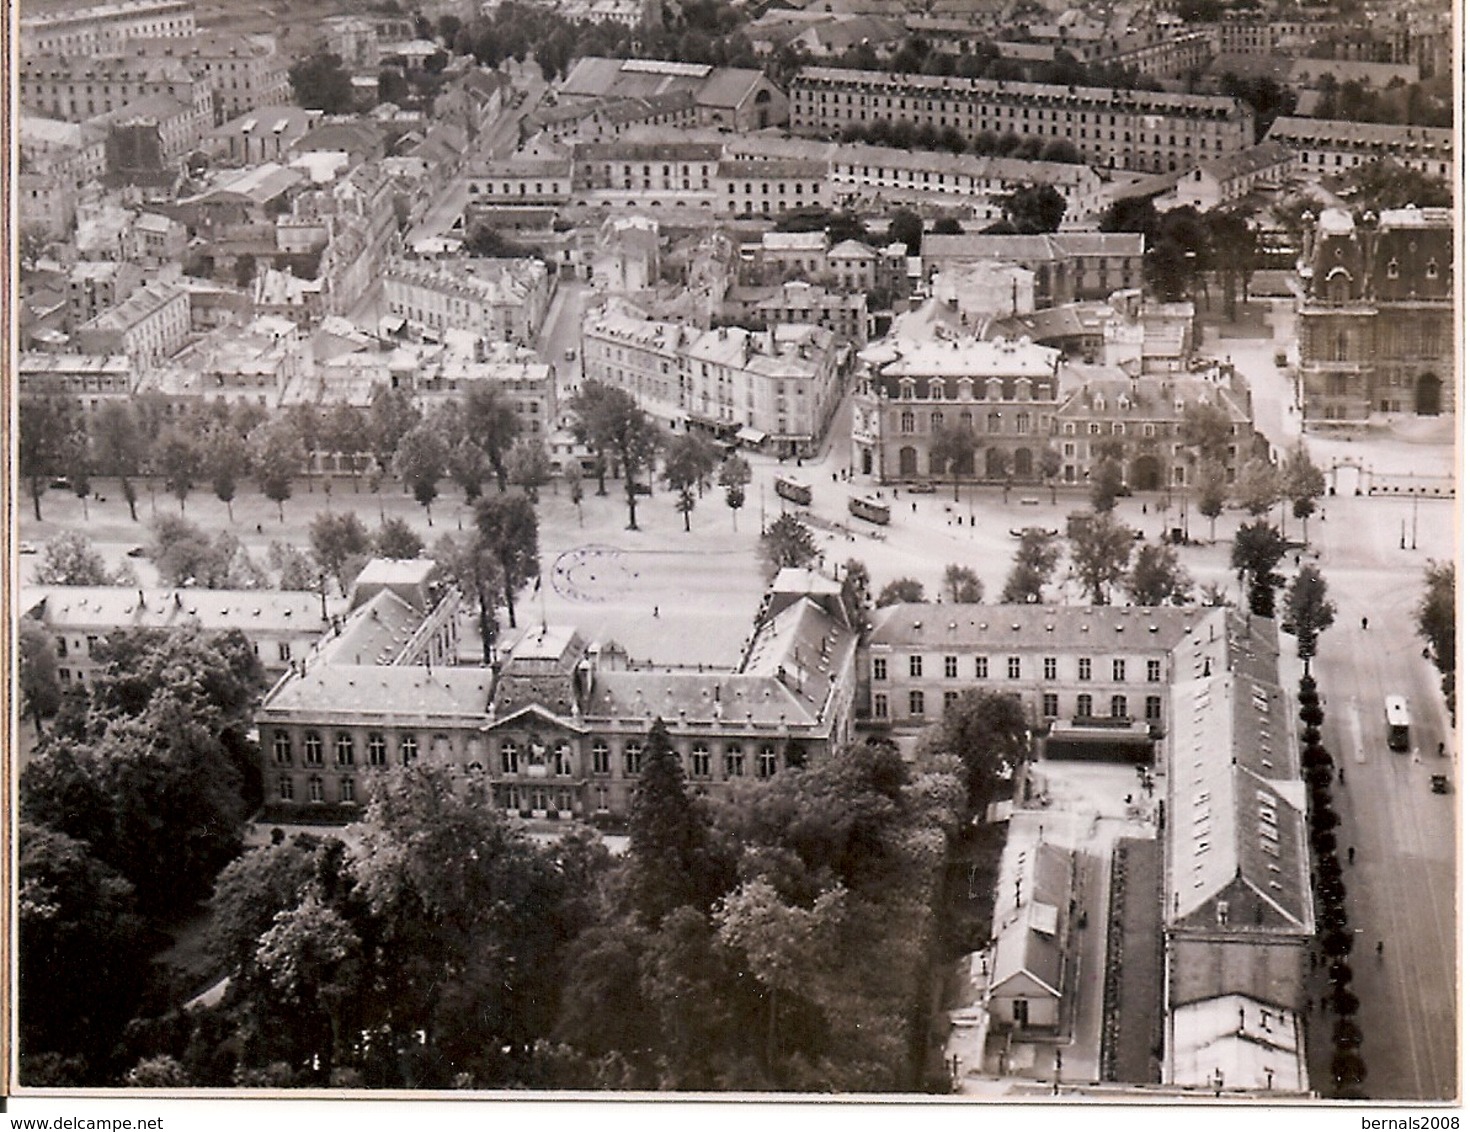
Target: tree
907	228
1031	571
508	532
1258	548
1157	578
787	542
227	459
1035	209
320	82
179	460
962	586
1049	464
1258	488
294	570
1100	552
51	433
899	591
1211	490
688	465
616	424
344	430
119	447
396	539
337	539
672	861
278	461
987	732
40	689
528	466
953	449
81	956
69	559
1107	485
734	475
491	422
857	590
421	461
391	416
476	571
306	419
1435	619
1303	483
1309	611
1233	249
1208	430
1132	214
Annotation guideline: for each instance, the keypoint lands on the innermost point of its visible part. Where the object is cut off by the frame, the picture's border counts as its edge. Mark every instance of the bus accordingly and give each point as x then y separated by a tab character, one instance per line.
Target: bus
1396	711
873	510
788	487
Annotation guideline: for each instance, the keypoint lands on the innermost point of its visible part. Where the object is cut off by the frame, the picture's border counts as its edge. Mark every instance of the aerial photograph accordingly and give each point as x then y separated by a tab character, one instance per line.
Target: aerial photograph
867	549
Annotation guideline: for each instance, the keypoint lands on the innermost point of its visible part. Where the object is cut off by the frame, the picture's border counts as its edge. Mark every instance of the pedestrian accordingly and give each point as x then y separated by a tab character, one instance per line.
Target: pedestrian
915	506
1352	854
1342	776
655	611
1365	623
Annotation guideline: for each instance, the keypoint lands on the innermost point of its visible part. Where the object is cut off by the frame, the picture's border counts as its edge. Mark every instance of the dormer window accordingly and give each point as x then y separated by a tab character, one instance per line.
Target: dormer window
1432	270
936	389
1393	269
906	389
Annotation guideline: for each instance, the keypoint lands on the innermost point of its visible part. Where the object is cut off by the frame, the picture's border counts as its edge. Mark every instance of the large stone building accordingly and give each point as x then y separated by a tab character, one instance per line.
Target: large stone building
1325	147
501	300
729	98
1376	318
281	626
1078	666
1003	392
1237	901
778	386
149	326
556	725
1142	419
247	72
77	87
1069	265
1115	129
104	28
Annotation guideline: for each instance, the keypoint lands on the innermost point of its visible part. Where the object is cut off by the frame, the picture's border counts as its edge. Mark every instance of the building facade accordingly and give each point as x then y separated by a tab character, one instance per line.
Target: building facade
77	87
149	326
780	385
1083	665
1004	393
1114	129
1324	147
1069	266
104	28
556	726
1375	320
501	300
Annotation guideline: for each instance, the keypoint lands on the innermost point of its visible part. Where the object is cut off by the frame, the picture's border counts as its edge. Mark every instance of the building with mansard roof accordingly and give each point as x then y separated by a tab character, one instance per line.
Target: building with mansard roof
1375	317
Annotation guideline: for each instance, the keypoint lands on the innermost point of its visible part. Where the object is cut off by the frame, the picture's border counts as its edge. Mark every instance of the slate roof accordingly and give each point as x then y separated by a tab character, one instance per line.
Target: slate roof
1074	628
386	694
152	607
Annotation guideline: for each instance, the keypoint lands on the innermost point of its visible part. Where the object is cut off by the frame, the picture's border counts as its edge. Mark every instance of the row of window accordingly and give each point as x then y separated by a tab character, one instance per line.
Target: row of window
514	757
994	423
1153	706
1154	669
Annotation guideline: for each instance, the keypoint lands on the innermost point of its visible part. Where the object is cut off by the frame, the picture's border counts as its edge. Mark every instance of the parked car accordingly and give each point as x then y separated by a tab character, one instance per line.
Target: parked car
922	488
27	548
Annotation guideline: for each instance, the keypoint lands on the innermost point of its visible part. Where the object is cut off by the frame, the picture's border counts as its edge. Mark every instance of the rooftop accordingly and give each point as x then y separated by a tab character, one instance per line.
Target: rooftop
133	607
1076	628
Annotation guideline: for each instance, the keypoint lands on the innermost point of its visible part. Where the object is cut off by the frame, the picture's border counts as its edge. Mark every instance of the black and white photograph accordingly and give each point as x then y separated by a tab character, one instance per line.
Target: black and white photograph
889	552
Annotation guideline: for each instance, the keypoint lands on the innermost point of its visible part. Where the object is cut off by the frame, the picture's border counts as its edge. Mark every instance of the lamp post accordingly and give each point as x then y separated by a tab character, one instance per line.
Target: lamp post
1414	541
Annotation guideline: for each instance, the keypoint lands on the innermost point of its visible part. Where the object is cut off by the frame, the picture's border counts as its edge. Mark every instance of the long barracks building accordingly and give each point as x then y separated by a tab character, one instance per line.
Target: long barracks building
1123	129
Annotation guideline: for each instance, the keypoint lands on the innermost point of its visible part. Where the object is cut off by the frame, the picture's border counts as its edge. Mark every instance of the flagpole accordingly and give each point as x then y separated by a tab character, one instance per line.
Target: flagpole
543	601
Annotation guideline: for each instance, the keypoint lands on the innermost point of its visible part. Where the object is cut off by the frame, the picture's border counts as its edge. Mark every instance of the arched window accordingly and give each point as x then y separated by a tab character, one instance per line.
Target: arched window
345	754
312	747
286	787
906	421
1084	706
314	788
1118	707
936	421
346	790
